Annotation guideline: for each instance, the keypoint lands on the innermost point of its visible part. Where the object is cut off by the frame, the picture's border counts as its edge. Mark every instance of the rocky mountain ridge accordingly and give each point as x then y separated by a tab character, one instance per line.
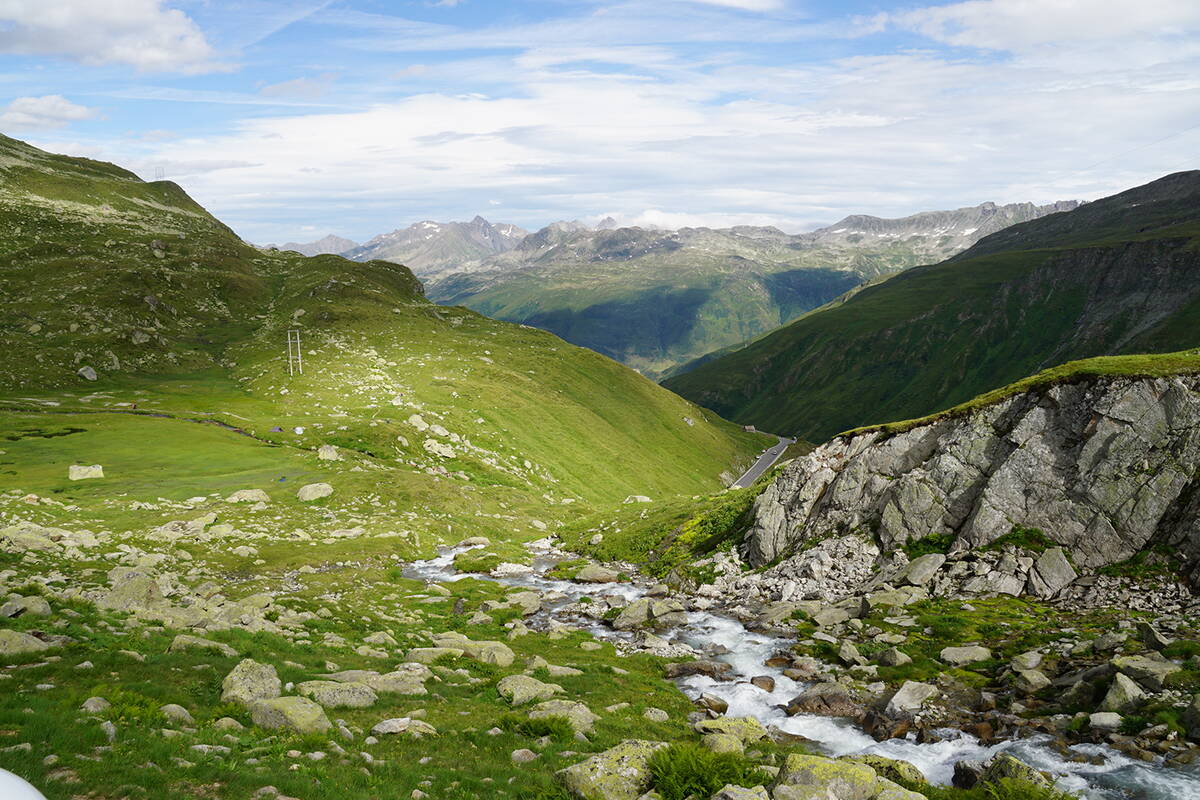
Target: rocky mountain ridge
1116	275
655	299
1106	468
329	245
431	249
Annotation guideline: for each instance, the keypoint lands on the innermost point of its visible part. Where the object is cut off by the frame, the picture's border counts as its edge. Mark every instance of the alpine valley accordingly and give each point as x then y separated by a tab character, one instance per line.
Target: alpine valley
655	299
274	524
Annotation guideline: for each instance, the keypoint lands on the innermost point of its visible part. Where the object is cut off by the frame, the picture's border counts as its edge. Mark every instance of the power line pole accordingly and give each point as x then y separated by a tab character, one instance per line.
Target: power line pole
295	361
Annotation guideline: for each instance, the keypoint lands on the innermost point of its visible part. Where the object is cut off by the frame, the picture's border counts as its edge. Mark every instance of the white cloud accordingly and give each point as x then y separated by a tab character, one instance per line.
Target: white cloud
138	33
50	111
746	5
1024	24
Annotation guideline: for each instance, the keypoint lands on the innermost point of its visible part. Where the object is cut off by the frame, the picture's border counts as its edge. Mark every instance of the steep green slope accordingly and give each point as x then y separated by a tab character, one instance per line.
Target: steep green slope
127	297
1120	275
657	299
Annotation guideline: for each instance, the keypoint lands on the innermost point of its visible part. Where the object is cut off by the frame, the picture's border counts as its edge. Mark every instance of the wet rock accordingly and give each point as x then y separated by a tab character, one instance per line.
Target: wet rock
967	773
1005	766
650	613
594	573
684	669
715	704
620	773
764	682
826	699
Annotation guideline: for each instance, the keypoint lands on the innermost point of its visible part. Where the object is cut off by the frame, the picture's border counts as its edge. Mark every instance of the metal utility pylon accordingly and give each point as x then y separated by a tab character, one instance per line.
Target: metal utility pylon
295	361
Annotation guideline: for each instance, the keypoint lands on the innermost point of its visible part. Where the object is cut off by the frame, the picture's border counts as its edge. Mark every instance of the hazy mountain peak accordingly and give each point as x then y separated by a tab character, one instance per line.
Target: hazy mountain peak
326	245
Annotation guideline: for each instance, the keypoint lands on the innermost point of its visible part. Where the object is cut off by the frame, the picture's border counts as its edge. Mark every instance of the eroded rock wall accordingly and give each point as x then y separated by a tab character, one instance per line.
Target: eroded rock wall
1104	467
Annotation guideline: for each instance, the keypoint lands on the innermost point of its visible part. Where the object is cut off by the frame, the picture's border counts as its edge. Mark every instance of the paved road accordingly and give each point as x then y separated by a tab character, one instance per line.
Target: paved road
764	463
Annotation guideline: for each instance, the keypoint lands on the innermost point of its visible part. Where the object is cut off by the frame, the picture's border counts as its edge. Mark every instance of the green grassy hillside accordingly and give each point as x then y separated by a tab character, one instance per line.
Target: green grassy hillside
1125	279
136	285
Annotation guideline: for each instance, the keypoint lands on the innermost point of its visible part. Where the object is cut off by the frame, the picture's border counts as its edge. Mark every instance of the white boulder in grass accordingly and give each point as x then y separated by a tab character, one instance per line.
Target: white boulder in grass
80	472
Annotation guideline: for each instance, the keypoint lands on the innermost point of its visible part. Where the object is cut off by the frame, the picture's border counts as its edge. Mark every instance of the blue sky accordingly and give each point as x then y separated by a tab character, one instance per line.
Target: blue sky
290	119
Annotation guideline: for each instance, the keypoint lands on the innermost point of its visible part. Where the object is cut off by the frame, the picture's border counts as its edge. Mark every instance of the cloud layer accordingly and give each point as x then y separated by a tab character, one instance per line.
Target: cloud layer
682	111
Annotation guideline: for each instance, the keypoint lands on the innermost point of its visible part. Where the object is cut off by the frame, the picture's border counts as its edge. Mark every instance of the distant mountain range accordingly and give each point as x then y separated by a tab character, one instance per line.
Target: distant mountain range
656	299
434	249
1115	276
325	246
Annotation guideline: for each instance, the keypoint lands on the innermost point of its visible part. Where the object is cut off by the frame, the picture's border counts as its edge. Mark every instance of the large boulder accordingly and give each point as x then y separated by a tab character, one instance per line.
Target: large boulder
580	716
521	689
1051	573
594	573
1149	671
890	768
79	472
910	698
829	699
336	694
619	773
650	612
250	682
1191	718
746	729
1005	766
248	496
16	643
297	714
132	589
1123	696
921	569
314	491
811	777
187	642
961	656
406	726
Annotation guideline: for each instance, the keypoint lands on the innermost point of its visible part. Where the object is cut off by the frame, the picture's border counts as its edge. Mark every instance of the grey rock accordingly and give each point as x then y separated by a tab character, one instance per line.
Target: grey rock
1123	696
1057	459
16	643
909	698
250	682
297	714
1149	672
961	656
921	569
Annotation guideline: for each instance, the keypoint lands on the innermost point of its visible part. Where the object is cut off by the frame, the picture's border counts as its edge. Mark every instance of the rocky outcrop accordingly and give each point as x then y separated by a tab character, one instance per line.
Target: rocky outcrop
1104	467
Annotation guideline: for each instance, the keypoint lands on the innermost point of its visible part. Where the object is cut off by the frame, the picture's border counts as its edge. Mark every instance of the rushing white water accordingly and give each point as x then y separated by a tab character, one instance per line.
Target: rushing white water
1118	777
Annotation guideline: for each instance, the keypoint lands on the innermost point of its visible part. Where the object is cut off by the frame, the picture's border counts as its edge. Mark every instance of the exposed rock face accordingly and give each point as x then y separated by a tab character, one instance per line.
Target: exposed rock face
1104	467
